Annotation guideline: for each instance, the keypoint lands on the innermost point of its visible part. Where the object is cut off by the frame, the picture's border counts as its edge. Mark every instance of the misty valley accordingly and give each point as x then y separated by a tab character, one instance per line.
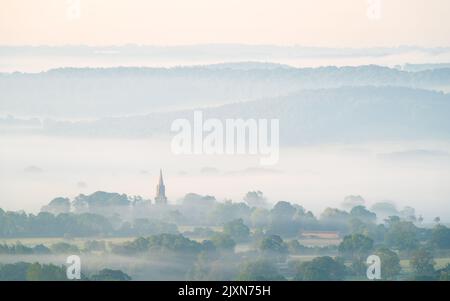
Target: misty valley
96	183
200	149
120	237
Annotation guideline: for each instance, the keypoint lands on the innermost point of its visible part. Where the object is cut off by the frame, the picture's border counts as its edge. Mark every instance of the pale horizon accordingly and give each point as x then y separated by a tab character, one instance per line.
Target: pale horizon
324	23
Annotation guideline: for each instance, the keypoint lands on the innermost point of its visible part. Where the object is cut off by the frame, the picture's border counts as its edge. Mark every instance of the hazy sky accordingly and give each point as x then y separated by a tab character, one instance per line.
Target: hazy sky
354	23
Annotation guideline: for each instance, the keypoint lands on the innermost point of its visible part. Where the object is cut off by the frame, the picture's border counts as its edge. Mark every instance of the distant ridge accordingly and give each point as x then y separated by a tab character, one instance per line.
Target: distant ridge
346	114
103	92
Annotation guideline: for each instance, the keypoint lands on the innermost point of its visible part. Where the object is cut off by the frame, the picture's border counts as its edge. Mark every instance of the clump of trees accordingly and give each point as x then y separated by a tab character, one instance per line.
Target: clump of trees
45	224
390	263
356	248
237	230
20	249
440	237
24	271
110	275
259	270
323	268
423	265
162	244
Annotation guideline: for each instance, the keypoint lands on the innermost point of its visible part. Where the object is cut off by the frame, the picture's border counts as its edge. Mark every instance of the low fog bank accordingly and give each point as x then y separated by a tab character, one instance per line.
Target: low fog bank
37	169
42	58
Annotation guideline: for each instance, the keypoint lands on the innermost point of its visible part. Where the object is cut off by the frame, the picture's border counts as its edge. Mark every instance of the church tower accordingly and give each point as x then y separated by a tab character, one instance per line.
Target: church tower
160	191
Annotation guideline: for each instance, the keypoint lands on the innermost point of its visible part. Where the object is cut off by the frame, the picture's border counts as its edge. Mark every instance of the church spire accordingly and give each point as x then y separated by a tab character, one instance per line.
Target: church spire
161	182
160	190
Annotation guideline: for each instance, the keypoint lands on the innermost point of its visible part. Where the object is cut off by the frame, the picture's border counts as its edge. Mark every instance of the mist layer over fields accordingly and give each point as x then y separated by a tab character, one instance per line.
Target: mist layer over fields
35	169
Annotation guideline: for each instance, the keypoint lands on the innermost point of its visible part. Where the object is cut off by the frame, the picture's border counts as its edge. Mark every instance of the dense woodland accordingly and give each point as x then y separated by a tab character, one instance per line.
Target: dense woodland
202	239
